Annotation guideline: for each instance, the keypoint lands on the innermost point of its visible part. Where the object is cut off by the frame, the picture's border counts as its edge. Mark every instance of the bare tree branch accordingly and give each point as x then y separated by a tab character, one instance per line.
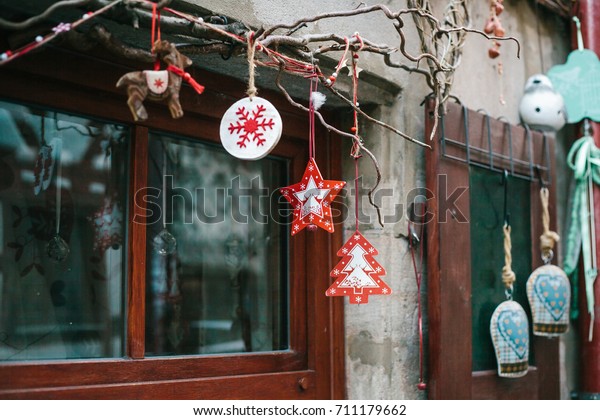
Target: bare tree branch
17	26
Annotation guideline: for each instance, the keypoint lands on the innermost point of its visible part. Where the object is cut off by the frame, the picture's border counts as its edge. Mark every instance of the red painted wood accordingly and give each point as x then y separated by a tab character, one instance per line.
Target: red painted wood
449	278
589	14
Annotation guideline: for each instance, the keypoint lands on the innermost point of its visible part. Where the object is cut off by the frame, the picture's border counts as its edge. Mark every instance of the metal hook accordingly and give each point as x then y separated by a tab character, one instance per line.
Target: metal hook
505	183
543	182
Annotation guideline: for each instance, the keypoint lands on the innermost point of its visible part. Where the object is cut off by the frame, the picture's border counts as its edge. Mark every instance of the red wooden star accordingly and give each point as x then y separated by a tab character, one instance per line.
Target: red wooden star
311	198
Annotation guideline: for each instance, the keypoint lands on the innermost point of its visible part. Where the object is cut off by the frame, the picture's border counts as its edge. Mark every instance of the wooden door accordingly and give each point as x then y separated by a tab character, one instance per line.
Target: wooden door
464	174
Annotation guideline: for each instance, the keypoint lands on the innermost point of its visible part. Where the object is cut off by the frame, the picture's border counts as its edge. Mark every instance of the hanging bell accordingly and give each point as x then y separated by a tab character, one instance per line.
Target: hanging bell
549	294
509	329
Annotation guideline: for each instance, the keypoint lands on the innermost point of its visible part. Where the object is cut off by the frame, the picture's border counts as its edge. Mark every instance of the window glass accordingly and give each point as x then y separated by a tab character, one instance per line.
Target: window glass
62	229
216	273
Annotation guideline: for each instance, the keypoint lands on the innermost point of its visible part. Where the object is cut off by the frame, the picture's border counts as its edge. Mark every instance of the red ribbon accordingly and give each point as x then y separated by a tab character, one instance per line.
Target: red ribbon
187	77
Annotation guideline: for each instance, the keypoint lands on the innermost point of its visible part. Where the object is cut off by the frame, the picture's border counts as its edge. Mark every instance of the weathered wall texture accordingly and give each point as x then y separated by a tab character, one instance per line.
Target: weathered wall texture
382	360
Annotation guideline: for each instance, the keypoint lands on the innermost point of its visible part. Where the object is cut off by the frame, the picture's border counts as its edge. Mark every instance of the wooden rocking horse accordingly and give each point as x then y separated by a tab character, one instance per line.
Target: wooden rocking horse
159	85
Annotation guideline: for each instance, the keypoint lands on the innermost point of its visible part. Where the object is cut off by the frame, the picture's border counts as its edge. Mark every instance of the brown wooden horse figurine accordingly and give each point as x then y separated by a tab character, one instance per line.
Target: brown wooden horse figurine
158	85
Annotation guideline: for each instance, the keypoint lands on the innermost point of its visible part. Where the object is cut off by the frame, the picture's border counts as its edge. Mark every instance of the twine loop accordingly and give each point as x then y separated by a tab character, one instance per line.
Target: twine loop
548	238
251	91
508	275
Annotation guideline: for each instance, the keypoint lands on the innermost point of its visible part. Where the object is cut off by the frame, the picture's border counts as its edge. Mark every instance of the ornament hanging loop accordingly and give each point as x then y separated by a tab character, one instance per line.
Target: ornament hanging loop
548	238
251	91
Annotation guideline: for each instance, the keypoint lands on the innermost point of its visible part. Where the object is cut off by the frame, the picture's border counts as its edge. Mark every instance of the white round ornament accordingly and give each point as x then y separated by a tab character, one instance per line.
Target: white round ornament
541	107
251	128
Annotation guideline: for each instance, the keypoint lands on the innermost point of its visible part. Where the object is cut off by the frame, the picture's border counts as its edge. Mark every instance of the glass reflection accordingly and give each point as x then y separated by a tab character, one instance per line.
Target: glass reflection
61	235
223	288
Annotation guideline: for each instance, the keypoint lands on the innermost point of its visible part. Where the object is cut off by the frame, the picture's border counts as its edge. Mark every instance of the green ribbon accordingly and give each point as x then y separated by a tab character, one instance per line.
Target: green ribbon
584	160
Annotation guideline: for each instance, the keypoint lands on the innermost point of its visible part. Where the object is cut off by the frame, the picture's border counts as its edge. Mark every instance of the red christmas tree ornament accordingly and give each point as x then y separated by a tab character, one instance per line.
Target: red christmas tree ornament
311	198
358	273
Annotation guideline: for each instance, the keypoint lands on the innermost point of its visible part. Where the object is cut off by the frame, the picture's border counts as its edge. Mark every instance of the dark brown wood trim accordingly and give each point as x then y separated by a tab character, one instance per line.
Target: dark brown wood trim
287	385
487	385
136	285
449	301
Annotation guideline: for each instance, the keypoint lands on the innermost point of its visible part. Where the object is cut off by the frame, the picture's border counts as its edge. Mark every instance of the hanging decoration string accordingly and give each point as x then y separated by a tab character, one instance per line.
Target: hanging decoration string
418	277
311	117
357	142
508	275
155	37
331	79
584	160
548	238
62	27
251	91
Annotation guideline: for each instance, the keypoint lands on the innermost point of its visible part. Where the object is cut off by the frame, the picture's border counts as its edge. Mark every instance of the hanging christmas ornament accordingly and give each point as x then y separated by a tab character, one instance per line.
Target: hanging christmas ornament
47	157
158	85
57	248
252	126
107	223
493	26
164	242
509	327
548	287
312	199
575	80
541	107
312	196
358	273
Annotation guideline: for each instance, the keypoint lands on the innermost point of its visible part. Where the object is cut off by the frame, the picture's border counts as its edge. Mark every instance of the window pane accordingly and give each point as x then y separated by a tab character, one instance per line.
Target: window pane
62	230
223	287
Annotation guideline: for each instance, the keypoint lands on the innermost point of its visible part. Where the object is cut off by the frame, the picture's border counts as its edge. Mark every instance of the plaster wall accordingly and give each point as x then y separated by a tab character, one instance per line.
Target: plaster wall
382	360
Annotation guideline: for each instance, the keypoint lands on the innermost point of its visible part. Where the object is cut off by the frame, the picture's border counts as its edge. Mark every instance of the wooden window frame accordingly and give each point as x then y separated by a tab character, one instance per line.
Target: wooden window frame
449	278
313	367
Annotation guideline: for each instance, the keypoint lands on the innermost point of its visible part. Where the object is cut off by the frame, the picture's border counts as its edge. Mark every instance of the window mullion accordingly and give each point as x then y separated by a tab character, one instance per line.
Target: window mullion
136	271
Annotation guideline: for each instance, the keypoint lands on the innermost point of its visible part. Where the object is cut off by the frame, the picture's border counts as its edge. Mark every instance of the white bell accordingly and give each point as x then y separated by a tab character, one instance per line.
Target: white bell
541	107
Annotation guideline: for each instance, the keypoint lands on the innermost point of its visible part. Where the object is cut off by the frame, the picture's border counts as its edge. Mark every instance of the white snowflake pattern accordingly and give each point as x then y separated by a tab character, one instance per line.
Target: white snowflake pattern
311	217
302	186
285	192
321	184
298	206
336	272
344	251
384	291
311	167
326	222
325	203
337	186
332	291
358	299
296	227
356	237
371	250
378	269
251	123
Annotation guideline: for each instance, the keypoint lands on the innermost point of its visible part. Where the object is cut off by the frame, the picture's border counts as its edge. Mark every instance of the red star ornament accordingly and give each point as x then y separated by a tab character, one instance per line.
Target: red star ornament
312	199
358	274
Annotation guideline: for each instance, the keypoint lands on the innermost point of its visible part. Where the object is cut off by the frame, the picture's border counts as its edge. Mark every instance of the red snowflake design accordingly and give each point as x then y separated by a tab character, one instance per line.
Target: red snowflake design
254	125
